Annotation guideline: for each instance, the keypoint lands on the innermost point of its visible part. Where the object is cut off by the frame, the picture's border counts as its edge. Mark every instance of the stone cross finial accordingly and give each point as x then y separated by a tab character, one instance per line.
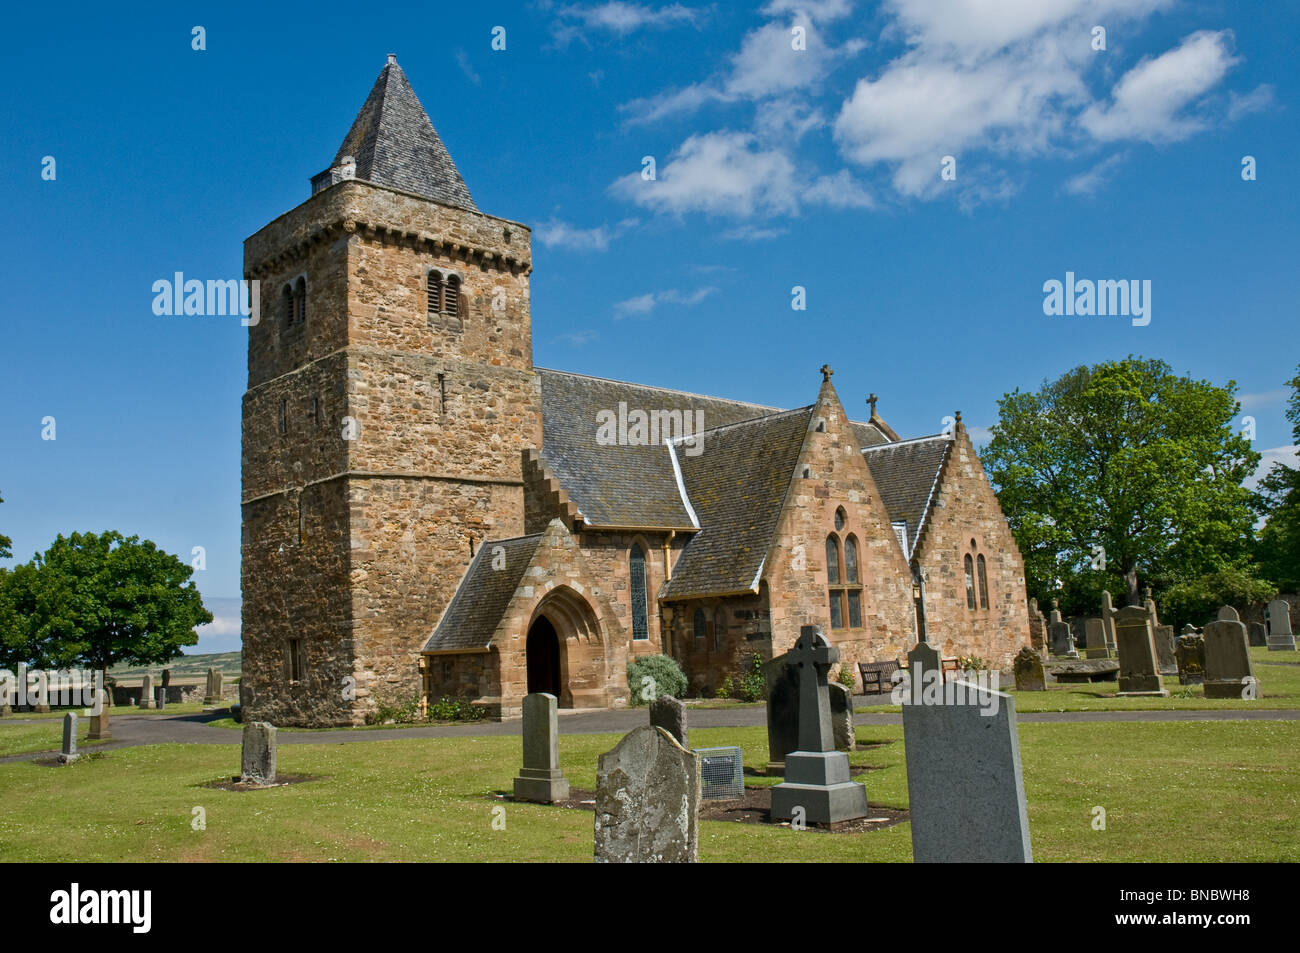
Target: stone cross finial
392	57
826	372
957	416
1056	605
813	656
871	399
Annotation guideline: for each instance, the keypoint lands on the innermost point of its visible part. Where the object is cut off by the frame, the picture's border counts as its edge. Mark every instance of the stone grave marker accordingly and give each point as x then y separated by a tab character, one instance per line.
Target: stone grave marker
1165	649
68	754
783	713
99	727
924	664
1227	614
965	790
146	692
1095	639
1108	621
841	717
669	714
160	698
212	692
1139	670
257	761
1150	605
1258	634
1280	636
1028	666
816	775
1190	652
647	800
1228	670
540	779
1062	640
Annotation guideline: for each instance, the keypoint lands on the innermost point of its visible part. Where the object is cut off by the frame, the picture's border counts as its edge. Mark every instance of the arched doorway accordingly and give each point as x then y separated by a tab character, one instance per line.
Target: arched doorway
543	657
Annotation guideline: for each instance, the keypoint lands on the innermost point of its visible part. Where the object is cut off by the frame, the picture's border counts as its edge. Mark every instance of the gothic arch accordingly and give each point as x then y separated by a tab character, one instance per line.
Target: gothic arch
584	656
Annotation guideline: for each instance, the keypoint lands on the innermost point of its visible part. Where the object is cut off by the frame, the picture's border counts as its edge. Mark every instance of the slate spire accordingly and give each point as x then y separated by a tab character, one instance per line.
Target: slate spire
394	144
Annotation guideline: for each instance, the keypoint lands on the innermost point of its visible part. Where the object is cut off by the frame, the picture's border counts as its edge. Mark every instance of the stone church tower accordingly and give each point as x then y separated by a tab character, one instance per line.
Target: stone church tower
390	397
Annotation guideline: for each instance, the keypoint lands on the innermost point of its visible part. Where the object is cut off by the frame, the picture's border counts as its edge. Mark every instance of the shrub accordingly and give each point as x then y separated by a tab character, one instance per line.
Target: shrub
846	678
455	709
752	686
726	689
971	663
666	675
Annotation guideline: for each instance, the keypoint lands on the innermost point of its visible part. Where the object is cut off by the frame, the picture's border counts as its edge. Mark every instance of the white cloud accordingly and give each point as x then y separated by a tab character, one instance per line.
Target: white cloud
578	338
821	11
557	234
1259	98
1086	183
620	18
1289	456
1149	98
644	304
752	233
462	60
838	191
1266	398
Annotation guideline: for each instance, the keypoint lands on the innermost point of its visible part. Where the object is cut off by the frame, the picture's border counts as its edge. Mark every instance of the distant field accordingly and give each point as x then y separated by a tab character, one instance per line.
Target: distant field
187	668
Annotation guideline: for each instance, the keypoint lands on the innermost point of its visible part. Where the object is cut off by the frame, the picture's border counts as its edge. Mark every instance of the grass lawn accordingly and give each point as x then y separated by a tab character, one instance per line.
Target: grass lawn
1278	674
45	735
1172	791
186	708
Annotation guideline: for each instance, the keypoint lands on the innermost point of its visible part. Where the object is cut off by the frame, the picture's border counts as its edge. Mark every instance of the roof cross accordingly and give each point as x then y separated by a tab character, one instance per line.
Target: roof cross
871	399
826	372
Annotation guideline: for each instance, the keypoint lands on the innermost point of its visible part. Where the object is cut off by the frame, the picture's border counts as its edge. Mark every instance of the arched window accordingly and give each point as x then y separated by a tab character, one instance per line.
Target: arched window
636	569
434	292
300	300
851	577
970	582
832	560
840	519
984	583
719	629
451	304
286	305
699	625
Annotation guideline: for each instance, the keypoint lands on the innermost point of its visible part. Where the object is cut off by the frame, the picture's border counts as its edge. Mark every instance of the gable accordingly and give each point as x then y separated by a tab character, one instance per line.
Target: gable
483	594
905	473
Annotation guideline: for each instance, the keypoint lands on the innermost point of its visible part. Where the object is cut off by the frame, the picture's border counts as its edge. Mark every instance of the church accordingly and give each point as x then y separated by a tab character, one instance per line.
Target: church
426	514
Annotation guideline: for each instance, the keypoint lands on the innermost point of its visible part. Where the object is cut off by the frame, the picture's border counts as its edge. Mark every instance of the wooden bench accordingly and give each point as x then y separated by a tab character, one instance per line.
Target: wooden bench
879	674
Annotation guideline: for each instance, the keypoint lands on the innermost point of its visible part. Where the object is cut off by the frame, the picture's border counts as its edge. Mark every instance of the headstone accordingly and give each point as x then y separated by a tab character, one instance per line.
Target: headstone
146	692
1258	634
1095	639
1165	658
1062	639
99	727
1227	614
924	658
212	692
1108	620
817	787
160	697
1150	605
782	712
1028	666
1228	671
647	800
966	794
540	779
841	717
1280	636
69	752
257	762
1139	670
669	714
1037	629
1190	652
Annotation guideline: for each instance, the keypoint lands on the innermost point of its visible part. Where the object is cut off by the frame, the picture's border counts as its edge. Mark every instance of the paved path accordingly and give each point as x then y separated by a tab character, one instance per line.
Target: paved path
131	730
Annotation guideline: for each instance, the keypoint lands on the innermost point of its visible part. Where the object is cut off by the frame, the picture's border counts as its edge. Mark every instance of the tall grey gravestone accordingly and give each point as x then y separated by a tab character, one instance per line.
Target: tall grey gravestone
99	724
817	786
258	757
841	716
1165	647
68	754
1095	638
1280	636
540	779
212	692
1139	670
1061	639
146	692
1258	634
966	794
1228	670
1227	614
647	800
669	714
1108	620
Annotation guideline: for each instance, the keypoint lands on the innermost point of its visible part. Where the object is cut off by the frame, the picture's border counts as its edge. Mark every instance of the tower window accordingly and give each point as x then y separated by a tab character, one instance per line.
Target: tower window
286	306
435	292
295	660
300	300
284	416
452	303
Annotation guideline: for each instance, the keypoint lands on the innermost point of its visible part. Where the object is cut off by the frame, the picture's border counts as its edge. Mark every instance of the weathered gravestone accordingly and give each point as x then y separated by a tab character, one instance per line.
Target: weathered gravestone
1150	605
1037	629
782	680
1190	652
1108	621
1280	636
1258	634
1139	670
160	697
1095	639
257	761
647	800
817	787
1227	614
1165	649
540	779
669	714
841	717
1028	666
99	727
212	692
68	754
966	794
1059	635
146	692
1228	671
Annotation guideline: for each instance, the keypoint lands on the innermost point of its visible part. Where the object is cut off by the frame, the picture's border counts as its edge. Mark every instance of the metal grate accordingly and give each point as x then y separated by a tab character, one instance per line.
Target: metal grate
722	774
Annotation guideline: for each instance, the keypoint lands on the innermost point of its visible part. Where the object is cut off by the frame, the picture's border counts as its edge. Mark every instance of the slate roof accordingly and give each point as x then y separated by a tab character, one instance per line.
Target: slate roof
394	144
905	473
482	596
736	486
616	485
867	435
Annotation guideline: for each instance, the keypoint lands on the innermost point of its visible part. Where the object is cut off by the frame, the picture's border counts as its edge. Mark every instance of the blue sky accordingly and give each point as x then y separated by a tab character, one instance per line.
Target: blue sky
775	167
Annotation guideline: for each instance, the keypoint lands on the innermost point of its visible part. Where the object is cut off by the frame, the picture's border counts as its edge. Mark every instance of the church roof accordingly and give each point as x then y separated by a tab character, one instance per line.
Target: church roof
906	473
483	594
736	486
395	145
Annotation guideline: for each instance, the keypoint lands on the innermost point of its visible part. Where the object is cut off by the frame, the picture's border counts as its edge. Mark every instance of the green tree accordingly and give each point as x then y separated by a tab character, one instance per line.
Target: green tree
6	543
96	600
1118	472
1279	501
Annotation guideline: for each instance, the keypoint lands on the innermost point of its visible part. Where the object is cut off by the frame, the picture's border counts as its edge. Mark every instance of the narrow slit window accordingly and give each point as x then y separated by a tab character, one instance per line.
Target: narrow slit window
435	293
640	618
452	305
984	583
970	583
